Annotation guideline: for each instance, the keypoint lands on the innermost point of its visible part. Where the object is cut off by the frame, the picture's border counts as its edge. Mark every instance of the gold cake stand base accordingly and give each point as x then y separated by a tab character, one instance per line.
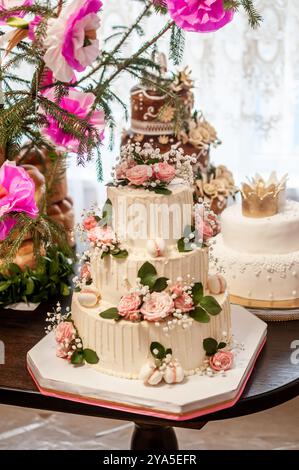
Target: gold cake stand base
267	310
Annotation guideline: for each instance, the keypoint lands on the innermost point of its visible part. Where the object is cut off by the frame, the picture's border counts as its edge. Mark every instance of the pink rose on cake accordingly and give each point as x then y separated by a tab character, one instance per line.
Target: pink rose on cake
158	305
221	361
85	272
64	334
200	16
204	229
129	306
164	172
102	235
139	174
213	220
90	222
183	301
121	168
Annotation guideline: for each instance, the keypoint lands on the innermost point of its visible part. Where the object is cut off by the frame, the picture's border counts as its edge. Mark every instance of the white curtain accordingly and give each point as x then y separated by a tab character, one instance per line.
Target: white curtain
247	85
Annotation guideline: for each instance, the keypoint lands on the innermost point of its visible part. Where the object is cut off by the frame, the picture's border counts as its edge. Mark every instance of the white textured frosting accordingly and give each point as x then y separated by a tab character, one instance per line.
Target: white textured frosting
124	347
114	277
140	215
268	277
276	234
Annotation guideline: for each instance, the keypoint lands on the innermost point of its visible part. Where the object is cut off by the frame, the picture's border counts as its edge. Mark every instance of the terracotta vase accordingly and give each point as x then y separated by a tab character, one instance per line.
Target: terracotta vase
59	203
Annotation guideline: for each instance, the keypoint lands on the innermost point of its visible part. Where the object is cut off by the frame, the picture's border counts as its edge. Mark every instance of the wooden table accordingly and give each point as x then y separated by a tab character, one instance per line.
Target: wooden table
275	380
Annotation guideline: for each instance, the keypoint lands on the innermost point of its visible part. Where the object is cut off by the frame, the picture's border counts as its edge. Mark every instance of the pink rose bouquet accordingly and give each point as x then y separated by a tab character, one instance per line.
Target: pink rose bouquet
129	306
201	16
159	305
164	172
221	360
17	192
71	40
79	104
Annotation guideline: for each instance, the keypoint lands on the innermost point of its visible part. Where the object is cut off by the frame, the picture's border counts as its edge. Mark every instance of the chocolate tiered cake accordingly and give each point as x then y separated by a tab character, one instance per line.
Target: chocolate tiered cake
167	119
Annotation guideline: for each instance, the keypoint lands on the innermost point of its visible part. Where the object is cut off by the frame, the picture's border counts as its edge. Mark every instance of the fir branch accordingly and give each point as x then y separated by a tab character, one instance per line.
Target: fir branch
177	44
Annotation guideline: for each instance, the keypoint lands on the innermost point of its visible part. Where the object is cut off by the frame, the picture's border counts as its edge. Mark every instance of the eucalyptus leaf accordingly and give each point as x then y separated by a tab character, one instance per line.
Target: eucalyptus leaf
200	315
210	304
90	356
164	191
146	270
161	353
210	346
160	284
77	358
110	314
197	292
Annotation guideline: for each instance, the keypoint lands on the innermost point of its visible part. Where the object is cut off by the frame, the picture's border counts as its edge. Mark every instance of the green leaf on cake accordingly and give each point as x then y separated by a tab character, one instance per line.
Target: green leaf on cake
146	270
183	247
164	191
210	304
122	254
160	284
104	254
221	345
157	350
149	280
200	315
197	292
90	356
110	314
210	346
77	358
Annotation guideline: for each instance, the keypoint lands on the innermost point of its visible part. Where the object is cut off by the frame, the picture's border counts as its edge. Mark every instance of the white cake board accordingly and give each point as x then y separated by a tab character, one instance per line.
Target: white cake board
196	396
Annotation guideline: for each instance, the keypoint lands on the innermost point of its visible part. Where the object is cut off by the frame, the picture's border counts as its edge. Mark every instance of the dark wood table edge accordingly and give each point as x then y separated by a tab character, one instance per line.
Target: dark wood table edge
245	406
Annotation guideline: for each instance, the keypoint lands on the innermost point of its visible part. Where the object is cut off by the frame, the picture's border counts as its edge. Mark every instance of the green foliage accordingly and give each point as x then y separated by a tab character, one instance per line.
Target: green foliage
158	350
211	346
110	314
177	45
254	17
148	277
205	305
50	277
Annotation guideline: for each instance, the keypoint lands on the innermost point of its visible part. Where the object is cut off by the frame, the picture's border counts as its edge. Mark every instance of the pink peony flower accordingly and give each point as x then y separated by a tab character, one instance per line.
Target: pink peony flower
102	235
9	4
222	360
79	104
139	174
129	306
200	16
90	222
17	192
32	27
164	172
159	305
184	302
71	40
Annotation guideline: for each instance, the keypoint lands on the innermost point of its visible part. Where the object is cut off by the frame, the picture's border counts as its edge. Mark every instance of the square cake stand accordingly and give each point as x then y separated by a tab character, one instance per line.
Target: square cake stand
194	397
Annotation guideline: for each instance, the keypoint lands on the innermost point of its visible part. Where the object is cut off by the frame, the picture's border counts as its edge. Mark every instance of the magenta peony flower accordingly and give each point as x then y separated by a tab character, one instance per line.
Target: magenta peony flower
71	40
79	104
9	4
201	16
32	27
17	191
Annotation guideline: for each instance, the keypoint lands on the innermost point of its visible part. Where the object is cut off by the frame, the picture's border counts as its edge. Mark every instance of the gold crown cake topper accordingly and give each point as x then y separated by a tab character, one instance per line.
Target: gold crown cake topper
262	198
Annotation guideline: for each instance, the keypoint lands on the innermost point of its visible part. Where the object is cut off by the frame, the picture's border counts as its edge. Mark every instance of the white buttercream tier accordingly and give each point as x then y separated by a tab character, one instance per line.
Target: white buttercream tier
267	277
114	277
140	215
124	347
276	234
